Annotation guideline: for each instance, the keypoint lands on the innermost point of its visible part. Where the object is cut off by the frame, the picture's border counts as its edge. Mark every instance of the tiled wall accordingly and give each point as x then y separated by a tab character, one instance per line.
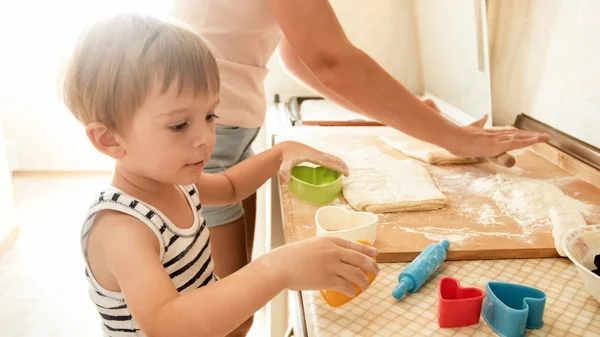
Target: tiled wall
545	61
384	29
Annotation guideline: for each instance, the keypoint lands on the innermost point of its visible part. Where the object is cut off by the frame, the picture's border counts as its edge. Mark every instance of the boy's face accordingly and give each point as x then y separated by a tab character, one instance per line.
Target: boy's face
171	137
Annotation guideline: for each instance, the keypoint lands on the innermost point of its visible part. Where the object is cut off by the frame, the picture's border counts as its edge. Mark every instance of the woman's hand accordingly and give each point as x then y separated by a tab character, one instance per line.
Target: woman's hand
294	153
481	143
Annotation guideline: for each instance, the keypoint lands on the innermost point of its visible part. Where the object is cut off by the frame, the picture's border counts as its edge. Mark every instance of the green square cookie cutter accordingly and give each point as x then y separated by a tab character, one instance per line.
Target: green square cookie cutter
316	185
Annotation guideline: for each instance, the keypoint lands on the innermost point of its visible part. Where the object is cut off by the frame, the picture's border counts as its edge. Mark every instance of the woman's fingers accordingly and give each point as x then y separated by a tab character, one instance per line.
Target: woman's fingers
510	137
518	143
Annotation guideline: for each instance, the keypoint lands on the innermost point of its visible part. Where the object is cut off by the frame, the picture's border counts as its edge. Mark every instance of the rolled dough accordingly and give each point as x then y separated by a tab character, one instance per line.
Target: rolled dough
389	185
425	152
563	220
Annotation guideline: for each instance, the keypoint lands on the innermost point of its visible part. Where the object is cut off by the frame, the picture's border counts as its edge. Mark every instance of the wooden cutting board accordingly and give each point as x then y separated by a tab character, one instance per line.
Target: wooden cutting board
476	225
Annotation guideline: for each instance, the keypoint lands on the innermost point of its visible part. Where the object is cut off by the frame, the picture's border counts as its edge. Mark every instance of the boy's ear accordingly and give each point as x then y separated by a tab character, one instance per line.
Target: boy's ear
105	140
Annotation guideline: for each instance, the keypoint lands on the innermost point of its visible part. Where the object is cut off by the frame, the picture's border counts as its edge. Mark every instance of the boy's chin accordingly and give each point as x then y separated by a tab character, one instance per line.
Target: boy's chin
185	179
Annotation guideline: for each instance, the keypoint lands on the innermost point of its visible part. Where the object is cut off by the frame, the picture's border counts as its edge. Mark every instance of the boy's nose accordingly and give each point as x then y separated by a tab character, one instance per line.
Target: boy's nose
203	136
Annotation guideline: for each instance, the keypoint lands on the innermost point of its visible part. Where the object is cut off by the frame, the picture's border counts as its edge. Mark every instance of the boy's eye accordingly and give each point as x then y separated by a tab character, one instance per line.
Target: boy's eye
211	117
179	127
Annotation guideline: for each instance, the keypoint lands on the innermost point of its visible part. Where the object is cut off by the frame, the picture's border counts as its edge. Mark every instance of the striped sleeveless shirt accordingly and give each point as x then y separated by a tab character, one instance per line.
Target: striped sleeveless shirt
184	253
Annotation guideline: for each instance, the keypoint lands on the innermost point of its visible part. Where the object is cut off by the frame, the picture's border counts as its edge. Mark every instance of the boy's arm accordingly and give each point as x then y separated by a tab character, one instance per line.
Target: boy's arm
219	307
243	179
155	304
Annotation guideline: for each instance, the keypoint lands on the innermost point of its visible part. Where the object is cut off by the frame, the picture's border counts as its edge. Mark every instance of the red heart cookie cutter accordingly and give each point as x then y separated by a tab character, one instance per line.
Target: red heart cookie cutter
458	306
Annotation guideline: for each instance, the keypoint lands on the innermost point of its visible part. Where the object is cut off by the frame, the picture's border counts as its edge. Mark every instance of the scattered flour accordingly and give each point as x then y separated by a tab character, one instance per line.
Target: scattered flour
457	236
525	200
562	181
485	214
456	182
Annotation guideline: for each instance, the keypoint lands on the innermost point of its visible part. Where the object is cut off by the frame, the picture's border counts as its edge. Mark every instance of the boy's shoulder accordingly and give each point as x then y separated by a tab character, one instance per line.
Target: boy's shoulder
116	212
111	226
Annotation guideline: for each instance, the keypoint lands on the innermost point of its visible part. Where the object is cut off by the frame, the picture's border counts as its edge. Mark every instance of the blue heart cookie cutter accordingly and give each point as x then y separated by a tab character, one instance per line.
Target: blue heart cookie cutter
510	308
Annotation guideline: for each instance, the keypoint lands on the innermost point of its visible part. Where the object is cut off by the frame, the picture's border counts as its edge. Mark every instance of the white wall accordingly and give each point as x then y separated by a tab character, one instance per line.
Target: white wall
545	63
454	54
36	37
7	205
35	122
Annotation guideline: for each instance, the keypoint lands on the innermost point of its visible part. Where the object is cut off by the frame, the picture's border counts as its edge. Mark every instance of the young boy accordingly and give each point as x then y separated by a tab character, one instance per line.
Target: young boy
146	91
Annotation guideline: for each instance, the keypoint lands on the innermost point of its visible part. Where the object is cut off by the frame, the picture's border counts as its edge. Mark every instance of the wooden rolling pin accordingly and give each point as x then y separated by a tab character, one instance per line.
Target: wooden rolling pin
504	159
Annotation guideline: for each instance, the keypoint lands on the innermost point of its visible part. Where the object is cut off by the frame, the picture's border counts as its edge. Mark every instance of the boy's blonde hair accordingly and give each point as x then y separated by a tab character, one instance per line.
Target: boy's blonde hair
117	61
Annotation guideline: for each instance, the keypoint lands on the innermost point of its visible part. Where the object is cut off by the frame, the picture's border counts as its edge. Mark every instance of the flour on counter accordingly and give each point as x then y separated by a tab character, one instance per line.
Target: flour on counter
525	200
456	182
562	181
485	214
457	236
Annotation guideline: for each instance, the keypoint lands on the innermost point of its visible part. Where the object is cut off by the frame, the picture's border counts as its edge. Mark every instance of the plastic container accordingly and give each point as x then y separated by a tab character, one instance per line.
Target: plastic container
418	272
581	246
317	185
458	306
352	226
510	308
336	299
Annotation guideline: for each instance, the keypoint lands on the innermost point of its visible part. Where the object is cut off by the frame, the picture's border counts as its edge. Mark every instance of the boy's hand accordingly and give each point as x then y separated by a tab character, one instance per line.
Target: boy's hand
324	263
293	153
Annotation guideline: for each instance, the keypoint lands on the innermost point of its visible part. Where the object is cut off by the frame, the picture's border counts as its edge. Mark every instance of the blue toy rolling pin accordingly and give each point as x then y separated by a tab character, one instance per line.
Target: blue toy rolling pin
418	271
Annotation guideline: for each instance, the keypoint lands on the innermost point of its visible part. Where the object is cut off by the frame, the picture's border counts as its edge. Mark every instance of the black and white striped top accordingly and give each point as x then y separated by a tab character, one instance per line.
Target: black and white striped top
184	253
